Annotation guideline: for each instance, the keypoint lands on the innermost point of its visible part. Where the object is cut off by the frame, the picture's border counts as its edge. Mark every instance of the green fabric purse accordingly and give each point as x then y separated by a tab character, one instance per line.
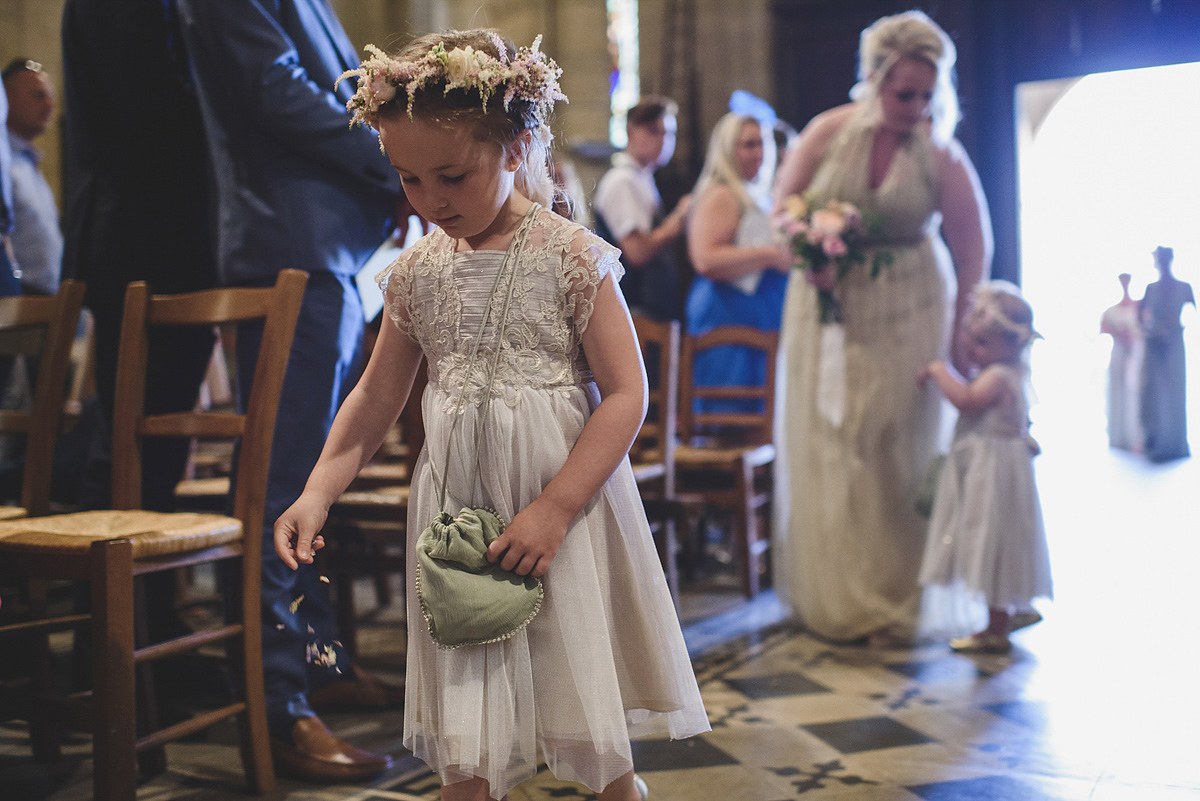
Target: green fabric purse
464	598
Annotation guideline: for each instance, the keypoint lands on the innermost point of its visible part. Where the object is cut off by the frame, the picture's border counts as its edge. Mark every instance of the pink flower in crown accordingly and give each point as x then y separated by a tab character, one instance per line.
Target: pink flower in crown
834	246
382	90
814	235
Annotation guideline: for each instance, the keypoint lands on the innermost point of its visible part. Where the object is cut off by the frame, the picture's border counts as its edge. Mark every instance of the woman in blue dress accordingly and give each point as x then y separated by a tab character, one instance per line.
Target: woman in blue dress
741	268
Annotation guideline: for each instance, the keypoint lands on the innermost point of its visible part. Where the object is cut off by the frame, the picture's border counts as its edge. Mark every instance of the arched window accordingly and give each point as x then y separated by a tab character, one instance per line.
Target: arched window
623	88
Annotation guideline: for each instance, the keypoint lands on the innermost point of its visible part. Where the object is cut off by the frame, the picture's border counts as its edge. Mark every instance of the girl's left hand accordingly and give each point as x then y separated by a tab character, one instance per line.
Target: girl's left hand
530	542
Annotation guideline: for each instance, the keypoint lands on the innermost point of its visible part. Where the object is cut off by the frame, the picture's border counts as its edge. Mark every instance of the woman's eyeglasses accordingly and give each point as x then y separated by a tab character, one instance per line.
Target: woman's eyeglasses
909	95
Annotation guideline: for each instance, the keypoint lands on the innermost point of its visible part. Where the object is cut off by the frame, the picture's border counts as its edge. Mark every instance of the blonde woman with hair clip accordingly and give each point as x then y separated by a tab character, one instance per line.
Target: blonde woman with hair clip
857	432
741	268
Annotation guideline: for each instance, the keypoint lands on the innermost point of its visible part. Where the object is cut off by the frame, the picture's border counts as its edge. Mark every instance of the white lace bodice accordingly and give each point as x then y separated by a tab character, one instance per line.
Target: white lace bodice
438	297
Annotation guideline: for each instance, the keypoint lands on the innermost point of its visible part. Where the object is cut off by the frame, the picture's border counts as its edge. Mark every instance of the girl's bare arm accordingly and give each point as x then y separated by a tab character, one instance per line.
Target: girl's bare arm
530	542
370	410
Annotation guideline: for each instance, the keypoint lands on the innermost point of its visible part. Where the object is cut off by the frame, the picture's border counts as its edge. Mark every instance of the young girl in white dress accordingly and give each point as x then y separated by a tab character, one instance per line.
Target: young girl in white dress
462	117
986	534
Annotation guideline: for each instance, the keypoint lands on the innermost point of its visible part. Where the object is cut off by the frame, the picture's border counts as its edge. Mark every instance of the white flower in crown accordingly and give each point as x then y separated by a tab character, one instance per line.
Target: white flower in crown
459	63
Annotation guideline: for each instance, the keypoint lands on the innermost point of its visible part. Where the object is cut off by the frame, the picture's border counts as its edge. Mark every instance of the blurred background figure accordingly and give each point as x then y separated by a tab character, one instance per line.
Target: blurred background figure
629	211
37	241
1120	321
855	431
741	267
1164	371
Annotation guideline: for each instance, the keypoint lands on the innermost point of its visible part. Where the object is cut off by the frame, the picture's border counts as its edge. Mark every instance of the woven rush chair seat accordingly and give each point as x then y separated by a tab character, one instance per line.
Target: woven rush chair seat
151	534
12	512
112	549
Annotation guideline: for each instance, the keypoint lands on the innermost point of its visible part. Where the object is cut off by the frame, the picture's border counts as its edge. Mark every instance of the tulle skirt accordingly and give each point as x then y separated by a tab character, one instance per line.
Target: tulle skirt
604	659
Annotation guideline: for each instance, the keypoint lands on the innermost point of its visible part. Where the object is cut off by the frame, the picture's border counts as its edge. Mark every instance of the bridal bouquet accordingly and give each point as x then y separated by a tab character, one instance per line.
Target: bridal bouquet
831	234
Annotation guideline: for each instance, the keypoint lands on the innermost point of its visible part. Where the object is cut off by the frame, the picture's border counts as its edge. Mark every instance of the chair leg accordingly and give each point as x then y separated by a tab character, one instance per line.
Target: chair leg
667	516
151	761
346	614
114	737
383	590
746	524
247	656
44	735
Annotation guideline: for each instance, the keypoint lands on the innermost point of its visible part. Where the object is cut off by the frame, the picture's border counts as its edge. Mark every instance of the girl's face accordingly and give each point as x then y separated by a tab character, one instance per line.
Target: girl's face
906	95
986	347
452	179
748	151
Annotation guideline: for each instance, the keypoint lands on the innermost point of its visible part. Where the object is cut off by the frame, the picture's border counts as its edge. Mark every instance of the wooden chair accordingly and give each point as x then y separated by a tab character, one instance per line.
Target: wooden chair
724	459
47	325
112	548
653	453
42	327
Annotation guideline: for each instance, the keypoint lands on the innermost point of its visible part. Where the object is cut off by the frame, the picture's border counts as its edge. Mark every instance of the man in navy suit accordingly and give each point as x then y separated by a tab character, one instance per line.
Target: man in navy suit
296	187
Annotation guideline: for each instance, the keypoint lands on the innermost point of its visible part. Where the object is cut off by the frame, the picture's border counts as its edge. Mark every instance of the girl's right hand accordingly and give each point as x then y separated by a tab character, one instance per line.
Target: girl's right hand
296	531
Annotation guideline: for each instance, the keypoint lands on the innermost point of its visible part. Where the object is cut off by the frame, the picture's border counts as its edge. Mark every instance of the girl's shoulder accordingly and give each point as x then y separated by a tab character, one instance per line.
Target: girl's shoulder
1011	377
575	245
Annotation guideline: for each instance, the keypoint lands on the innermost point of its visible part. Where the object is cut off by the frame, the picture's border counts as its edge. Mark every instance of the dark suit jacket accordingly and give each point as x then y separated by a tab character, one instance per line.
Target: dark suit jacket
138	204
297	186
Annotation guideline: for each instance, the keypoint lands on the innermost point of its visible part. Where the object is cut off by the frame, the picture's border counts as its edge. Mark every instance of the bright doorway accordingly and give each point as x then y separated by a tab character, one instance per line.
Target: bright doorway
1108	168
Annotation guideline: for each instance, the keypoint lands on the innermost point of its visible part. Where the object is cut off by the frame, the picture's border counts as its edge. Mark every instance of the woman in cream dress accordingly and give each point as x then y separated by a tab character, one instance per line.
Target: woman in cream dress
854	428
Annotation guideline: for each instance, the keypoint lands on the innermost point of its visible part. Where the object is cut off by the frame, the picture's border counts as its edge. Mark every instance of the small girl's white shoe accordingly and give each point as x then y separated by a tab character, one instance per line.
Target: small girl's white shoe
643	791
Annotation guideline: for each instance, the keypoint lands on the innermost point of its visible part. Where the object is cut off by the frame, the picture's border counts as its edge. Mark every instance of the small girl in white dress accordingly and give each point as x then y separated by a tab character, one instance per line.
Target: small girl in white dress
544	416
986	534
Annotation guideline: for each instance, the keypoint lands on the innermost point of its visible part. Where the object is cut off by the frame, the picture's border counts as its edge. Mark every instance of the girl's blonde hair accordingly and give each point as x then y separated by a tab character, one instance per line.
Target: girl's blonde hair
998	309
913	35
719	167
490	122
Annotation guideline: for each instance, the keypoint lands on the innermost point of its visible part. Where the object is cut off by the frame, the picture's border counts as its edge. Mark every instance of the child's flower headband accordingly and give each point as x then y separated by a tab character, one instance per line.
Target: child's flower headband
989	313
531	75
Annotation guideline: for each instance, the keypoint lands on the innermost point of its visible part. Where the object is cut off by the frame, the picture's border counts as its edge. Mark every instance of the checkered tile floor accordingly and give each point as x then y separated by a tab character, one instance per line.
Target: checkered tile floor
793	718
1098	703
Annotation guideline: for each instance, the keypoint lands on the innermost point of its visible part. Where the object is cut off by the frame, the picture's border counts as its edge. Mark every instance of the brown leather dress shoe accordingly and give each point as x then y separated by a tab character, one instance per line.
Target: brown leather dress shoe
318	756
362	692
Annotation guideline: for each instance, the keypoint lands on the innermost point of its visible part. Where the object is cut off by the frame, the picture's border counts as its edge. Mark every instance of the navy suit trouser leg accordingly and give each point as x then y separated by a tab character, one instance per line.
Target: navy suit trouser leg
301	651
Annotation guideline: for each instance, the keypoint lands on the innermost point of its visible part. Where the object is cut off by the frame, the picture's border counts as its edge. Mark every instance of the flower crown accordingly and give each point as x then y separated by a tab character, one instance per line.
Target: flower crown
531	76
988	313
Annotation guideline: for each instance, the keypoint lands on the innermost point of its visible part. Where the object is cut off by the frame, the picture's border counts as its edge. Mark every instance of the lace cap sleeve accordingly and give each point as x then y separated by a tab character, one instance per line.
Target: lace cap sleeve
587	261
396	281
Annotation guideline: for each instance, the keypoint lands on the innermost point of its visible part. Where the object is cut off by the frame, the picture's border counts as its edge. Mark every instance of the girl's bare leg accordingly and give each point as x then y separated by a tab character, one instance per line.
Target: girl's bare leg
621	789
471	790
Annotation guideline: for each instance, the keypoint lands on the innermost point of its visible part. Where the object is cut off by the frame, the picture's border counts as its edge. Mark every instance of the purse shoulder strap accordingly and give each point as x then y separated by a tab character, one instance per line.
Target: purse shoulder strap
510	265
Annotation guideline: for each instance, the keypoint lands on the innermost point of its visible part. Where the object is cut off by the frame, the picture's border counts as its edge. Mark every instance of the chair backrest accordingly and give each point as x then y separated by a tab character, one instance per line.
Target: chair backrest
278	307
42	326
736	413
659	341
